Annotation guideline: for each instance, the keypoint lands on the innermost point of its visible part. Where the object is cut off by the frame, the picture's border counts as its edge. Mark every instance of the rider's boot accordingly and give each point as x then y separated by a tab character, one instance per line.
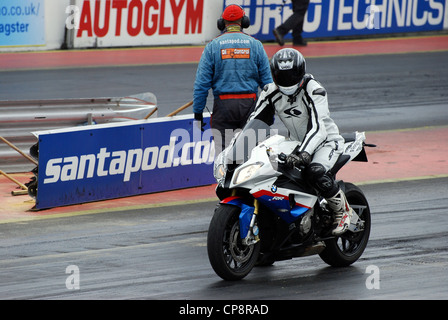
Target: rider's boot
342	210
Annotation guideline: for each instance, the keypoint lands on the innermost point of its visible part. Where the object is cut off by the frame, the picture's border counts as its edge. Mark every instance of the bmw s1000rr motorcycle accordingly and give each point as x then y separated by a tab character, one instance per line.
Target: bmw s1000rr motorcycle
268	212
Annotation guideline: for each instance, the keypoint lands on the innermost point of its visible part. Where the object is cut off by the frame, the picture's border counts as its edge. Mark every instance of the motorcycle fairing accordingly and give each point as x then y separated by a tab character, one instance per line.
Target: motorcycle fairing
245	216
285	206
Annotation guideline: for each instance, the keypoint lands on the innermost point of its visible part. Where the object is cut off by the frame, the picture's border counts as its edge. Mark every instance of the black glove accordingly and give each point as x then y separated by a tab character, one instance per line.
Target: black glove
297	160
199	121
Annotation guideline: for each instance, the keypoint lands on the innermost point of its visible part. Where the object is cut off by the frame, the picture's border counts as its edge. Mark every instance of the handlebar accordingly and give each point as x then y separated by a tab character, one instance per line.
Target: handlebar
283	160
282	157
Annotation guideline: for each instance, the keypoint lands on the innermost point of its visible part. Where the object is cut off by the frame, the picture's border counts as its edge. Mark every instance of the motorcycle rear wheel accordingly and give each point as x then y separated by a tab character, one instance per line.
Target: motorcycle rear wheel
346	249
228	256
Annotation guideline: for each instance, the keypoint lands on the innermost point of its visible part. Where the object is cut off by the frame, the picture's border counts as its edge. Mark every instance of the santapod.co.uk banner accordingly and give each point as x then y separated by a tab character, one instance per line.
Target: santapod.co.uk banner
98	162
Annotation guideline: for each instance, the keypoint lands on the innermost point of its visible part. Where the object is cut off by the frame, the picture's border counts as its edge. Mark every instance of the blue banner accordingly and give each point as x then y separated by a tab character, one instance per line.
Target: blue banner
333	18
22	23
108	161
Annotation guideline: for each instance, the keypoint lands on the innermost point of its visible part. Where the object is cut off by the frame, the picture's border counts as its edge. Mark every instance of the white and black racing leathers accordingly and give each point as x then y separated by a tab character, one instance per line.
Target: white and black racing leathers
307	118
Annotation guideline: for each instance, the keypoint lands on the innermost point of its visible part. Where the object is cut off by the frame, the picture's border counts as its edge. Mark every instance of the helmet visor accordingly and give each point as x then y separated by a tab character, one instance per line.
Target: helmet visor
287	78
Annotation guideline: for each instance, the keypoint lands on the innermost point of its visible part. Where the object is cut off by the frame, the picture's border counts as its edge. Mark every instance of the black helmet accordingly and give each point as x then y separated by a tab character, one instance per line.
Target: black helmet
288	67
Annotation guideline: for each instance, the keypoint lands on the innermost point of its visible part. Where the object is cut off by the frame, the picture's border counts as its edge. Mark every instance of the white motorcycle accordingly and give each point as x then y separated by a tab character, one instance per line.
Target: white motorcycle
268	212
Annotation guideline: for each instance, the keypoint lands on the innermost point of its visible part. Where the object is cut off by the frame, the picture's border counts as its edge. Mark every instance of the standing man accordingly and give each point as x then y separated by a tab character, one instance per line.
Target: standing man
233	65
294	23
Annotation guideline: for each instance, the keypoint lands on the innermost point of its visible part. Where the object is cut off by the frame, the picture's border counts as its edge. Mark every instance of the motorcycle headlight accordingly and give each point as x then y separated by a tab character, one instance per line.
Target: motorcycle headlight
220	172
219	169
245	173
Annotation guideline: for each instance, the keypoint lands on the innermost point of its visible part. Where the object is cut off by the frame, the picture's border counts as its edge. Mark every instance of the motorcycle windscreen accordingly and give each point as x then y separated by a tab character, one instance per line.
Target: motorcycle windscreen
253	133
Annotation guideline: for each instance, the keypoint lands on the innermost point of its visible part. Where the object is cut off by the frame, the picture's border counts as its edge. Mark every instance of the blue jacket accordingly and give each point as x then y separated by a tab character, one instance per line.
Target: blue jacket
234	62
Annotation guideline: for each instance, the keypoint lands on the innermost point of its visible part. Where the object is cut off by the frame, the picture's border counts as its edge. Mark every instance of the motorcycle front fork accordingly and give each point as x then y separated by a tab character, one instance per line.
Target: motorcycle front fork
252	235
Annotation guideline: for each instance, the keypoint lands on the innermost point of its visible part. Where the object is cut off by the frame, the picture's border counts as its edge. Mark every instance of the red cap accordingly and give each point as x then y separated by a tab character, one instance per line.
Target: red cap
233	13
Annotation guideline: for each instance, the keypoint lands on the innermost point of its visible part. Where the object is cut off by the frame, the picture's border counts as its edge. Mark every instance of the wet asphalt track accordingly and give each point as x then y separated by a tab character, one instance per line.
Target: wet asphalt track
372	92
160	253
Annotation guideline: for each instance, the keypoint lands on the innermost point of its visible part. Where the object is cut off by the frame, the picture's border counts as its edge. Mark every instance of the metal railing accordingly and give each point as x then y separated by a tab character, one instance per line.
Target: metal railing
19	118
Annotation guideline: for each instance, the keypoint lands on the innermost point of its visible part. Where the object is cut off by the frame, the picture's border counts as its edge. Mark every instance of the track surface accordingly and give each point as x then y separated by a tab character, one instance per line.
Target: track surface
160	254
158	251
374	92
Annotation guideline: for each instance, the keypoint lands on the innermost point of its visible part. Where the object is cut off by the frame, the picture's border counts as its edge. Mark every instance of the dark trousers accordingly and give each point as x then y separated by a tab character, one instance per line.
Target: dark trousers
230	114
296	20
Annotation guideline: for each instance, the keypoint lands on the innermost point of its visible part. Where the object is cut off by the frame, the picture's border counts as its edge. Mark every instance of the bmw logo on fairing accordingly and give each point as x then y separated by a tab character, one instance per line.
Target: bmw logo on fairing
274	188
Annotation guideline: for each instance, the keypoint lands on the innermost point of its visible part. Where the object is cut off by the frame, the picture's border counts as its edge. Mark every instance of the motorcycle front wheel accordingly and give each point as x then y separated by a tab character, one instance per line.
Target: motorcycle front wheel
346	249
228	256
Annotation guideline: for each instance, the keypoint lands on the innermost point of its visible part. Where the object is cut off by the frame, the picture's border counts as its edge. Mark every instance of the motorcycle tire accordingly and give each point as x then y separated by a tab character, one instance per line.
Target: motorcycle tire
346	249
228	256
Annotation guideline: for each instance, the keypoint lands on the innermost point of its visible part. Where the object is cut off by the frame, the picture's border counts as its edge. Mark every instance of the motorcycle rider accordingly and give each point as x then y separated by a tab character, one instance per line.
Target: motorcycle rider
301	103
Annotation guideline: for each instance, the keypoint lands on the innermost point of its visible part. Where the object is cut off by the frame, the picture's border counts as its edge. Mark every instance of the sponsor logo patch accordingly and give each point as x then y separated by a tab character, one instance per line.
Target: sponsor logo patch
235	53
